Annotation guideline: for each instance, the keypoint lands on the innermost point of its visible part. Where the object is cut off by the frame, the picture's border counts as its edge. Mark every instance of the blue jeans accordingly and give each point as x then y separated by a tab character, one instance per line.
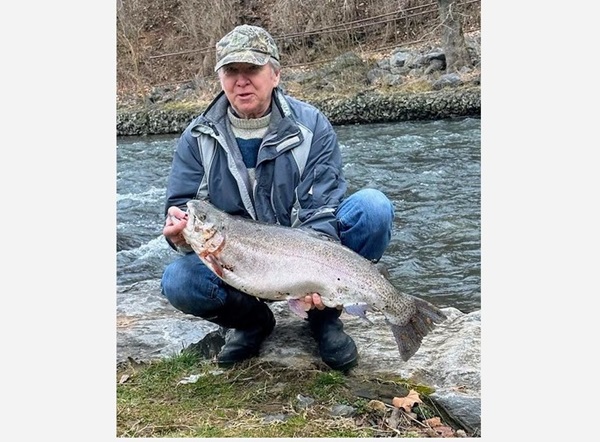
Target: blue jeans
365	226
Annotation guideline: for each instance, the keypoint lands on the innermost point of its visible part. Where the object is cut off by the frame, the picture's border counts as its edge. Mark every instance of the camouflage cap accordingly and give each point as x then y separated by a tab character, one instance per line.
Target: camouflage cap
246	44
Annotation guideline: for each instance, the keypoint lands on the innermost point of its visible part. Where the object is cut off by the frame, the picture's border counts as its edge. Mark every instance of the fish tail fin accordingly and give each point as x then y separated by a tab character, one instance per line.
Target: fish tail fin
409	336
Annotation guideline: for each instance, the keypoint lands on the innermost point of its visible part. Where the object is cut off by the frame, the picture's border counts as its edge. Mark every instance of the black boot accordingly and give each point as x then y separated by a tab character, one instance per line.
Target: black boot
336	348
252	321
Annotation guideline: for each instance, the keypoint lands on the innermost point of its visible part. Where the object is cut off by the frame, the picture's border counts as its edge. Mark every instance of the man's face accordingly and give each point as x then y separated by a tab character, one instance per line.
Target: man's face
248	87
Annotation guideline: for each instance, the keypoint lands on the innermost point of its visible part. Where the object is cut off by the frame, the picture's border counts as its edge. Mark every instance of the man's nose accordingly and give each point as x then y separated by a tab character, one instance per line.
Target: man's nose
242	78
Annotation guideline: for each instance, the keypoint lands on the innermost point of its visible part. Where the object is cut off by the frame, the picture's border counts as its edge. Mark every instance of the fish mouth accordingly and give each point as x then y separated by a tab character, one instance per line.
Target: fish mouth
202	236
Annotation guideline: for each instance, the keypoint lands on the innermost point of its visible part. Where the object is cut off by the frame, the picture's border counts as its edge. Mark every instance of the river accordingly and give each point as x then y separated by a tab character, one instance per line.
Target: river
429	169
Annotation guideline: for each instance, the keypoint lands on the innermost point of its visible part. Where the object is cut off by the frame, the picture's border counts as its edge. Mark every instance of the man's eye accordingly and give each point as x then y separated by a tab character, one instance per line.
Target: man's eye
248	70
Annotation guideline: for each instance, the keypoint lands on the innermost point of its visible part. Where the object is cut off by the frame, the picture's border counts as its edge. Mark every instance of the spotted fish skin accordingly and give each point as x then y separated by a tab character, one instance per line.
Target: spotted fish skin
280	263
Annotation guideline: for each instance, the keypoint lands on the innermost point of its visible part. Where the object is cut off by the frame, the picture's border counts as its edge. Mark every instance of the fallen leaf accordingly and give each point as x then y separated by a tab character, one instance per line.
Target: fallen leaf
444	431
439	427
123	379
407	402
433	422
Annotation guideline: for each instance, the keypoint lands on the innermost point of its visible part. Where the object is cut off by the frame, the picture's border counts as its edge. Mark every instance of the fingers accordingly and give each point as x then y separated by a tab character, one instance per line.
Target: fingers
176	212
314	300
317	301
175	216
174	225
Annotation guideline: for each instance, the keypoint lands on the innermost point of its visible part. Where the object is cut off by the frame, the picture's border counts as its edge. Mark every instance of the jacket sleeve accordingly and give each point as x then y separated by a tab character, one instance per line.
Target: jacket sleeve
322	186
185	176
186	172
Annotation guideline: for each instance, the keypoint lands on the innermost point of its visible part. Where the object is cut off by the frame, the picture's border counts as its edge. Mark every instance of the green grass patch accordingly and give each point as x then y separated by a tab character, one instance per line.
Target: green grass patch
185	396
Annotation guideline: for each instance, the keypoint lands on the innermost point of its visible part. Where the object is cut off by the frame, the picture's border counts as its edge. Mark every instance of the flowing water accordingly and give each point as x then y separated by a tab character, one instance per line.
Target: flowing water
429	169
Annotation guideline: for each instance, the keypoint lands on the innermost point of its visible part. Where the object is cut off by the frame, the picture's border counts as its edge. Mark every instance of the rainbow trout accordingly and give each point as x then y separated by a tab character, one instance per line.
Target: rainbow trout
280	263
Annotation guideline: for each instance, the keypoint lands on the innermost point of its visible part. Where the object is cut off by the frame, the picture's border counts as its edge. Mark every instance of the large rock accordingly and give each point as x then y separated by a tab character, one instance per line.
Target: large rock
149	328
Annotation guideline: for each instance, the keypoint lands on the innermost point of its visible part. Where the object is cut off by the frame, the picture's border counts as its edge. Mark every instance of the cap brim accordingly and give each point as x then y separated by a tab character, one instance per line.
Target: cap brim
251	57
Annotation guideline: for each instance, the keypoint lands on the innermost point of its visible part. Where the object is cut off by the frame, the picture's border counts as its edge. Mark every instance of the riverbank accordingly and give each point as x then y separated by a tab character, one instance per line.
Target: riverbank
406	84
447	366
365	107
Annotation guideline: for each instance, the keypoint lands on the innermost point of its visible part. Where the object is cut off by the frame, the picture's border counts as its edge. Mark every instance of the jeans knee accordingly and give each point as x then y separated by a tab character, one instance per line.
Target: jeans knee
191	288
365	220
372	206
376	203
171	285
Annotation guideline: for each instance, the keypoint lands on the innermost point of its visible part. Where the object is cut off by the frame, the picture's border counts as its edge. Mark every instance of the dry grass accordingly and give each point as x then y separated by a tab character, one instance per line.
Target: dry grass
160	42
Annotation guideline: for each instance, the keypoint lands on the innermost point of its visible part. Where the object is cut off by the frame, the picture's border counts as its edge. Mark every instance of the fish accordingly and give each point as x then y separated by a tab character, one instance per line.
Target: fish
280	263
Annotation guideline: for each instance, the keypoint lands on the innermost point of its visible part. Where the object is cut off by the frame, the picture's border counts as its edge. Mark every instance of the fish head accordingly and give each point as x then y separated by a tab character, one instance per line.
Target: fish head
202	231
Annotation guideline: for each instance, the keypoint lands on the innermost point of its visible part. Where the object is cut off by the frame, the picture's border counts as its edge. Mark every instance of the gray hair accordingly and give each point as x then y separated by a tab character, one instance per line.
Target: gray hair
275	64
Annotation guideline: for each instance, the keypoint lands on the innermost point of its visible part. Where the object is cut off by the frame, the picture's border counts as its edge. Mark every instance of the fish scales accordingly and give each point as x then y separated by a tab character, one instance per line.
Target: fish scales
282	263
248	243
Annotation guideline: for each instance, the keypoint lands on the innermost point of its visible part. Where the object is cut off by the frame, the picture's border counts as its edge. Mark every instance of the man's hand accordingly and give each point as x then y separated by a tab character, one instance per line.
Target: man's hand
314	301
174	225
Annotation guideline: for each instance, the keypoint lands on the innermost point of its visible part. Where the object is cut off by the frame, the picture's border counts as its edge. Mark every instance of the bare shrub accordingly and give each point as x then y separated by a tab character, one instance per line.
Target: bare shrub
172	41
205	22
130	27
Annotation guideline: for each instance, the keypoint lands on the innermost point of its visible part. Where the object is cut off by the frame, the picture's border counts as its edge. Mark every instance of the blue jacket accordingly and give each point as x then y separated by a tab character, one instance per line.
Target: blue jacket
299	177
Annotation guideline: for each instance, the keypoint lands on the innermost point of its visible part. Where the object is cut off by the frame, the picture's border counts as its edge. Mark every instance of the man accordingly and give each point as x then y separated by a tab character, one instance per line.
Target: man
260	154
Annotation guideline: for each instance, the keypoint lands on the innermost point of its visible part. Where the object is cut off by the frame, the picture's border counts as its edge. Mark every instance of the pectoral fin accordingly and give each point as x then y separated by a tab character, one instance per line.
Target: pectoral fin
299	307
359	310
